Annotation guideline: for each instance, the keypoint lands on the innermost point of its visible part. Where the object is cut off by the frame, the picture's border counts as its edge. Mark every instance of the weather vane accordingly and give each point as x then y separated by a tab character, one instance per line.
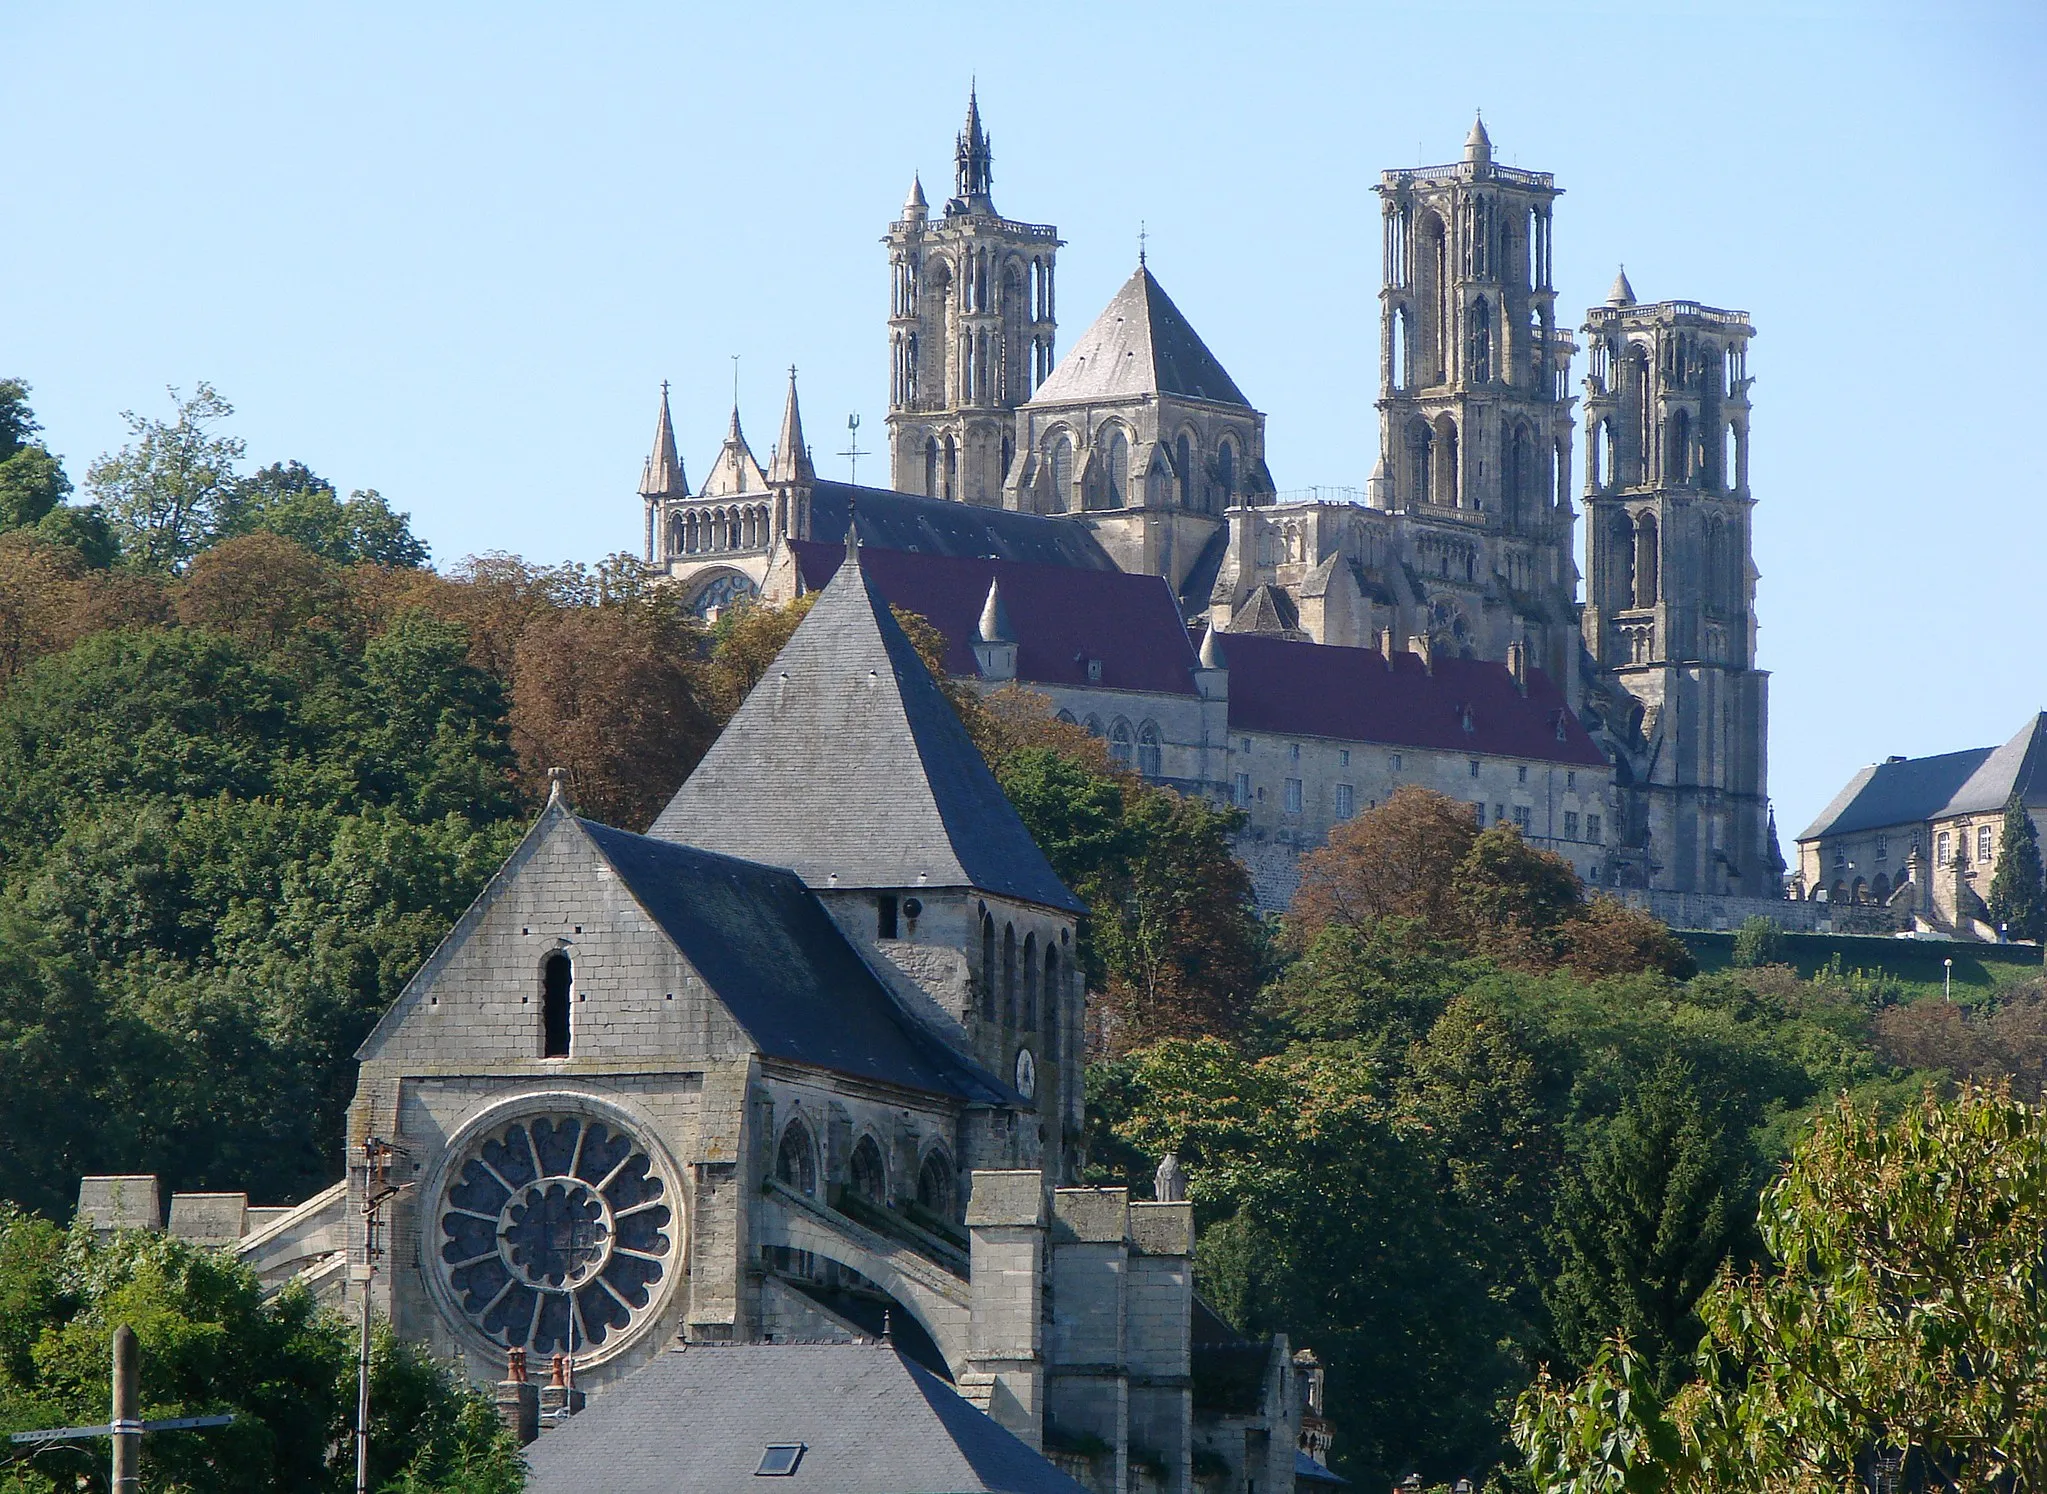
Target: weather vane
853	453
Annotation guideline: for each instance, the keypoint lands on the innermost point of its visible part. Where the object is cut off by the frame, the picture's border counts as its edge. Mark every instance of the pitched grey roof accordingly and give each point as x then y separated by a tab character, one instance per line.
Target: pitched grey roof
936	526
776	960
1139	345
696	1420
848	765
1916	789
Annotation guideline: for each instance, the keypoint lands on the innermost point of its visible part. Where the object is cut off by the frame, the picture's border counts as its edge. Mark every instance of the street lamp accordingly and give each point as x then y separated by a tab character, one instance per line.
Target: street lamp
1947	980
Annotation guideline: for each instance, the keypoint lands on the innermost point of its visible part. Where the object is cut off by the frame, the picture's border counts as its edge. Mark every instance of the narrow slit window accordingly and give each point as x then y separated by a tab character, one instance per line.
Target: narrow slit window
557	978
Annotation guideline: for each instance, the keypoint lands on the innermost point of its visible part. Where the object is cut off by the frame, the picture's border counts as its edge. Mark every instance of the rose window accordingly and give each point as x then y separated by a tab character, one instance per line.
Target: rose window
555	1234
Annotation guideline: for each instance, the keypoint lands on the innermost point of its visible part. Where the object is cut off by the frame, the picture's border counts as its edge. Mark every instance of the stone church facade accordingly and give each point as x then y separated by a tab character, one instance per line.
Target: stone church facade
1461	545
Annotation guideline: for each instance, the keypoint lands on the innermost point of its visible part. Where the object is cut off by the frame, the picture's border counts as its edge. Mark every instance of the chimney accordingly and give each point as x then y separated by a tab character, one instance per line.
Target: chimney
1386	647
559	1399
519	1399
1517	664
1425	645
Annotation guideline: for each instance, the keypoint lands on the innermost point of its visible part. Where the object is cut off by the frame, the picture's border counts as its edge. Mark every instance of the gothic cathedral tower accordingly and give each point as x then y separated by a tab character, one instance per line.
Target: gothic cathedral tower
1474	402
1671	623
970	332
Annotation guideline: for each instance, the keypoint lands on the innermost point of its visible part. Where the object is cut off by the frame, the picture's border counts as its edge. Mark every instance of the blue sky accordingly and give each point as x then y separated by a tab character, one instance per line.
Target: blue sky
449	252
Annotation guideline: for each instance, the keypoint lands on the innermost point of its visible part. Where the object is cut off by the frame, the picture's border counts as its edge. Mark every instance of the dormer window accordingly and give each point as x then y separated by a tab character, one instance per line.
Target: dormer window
557	979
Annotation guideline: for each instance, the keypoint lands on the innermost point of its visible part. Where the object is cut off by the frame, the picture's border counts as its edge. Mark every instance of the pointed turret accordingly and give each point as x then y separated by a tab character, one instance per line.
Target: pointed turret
1211	653
1478	145
791	461
1622	294
915	208
974	161
663	477
994	624
735	471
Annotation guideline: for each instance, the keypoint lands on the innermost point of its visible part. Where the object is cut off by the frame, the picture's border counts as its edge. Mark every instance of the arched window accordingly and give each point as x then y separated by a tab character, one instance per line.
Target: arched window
1062	474
1027	1009
988	966
1054	1005
1716	561
1880	890
1422	459
1093	726
1226	473
796	1159
1678	458
867	1174
935	1186
952	468
1121	742
1520	472
1116	472
1183	463
1401	351
1444	448
1009	975
1639	387
1730	445
931	467
557	983
1067	716
1481	341
1624	557
1149	762
1646	560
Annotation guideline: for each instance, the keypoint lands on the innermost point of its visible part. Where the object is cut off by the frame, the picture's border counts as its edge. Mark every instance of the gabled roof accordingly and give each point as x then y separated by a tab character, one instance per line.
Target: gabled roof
890	520
1322	690
735	471
847	765
784	970
698	1419
1139	345
1913	790
1059	617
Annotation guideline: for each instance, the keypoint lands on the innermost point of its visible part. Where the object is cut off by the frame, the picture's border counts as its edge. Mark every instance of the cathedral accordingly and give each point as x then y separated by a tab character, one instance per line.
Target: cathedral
1136	453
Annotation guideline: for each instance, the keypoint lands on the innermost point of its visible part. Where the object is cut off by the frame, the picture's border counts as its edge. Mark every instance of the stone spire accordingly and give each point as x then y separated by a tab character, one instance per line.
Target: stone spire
914	206
973	161
994	625
663	476
1478	145
791	461
1622	294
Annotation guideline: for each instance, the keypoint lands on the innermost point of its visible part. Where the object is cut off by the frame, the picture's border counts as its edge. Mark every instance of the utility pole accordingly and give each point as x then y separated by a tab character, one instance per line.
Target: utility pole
124	1429
377	1190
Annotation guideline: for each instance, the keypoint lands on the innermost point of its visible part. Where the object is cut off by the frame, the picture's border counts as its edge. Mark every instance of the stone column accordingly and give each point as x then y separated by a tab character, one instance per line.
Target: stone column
1088	1394
1005	1359
1158	1340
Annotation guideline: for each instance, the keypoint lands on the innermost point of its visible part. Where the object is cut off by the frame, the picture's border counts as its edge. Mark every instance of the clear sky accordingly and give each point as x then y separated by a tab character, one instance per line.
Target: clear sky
450	252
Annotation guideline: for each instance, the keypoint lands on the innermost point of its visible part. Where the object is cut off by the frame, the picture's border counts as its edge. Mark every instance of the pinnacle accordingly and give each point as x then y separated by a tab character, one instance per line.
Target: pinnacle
662	476
1622	294
792	458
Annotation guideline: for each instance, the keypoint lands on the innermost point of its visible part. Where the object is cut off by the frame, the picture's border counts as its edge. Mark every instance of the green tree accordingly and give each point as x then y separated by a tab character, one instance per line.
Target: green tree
290	500
167	492
1903	1315
2018	890
32	482
209	1343
1758	942
1643	1225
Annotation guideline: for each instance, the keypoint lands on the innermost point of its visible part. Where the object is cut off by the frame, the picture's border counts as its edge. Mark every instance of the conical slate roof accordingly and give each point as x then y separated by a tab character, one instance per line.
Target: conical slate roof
1140	345
847	765
1478	145
1622	294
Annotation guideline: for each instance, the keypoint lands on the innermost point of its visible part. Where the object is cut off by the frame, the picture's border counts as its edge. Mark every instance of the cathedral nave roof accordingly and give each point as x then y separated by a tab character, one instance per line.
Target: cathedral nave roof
889	520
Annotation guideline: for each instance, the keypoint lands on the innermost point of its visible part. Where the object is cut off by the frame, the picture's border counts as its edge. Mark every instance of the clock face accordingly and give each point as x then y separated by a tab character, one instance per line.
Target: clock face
556	1233
1026	1074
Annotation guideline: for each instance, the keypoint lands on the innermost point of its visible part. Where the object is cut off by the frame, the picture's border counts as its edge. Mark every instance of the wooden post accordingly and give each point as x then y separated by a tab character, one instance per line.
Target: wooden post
127	1438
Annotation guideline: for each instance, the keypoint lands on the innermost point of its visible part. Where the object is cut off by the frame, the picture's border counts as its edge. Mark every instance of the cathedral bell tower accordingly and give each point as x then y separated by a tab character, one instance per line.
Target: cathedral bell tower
1474	398
971	331
1671	616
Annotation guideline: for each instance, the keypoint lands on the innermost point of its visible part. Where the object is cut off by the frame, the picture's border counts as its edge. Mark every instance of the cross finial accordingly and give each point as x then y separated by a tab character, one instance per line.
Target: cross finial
664	389
1141	237
735	381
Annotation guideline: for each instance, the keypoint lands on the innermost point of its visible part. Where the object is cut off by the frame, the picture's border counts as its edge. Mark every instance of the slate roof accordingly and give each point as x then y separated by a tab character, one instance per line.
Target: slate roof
696	1420
1913	790
1139	345
937	526
779	964
847	765
1321	690
1059	617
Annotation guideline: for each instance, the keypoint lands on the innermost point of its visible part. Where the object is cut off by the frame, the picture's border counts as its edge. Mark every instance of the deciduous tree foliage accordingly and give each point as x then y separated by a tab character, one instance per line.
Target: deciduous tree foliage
167	492
208	1344
1902	1316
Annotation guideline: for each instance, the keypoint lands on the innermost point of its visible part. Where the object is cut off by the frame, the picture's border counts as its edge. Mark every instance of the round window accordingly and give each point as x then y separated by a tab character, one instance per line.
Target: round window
555	1233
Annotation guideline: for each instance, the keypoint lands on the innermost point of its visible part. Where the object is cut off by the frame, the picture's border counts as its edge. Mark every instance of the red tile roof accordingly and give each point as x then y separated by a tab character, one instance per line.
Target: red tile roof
1061	616
1464	705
